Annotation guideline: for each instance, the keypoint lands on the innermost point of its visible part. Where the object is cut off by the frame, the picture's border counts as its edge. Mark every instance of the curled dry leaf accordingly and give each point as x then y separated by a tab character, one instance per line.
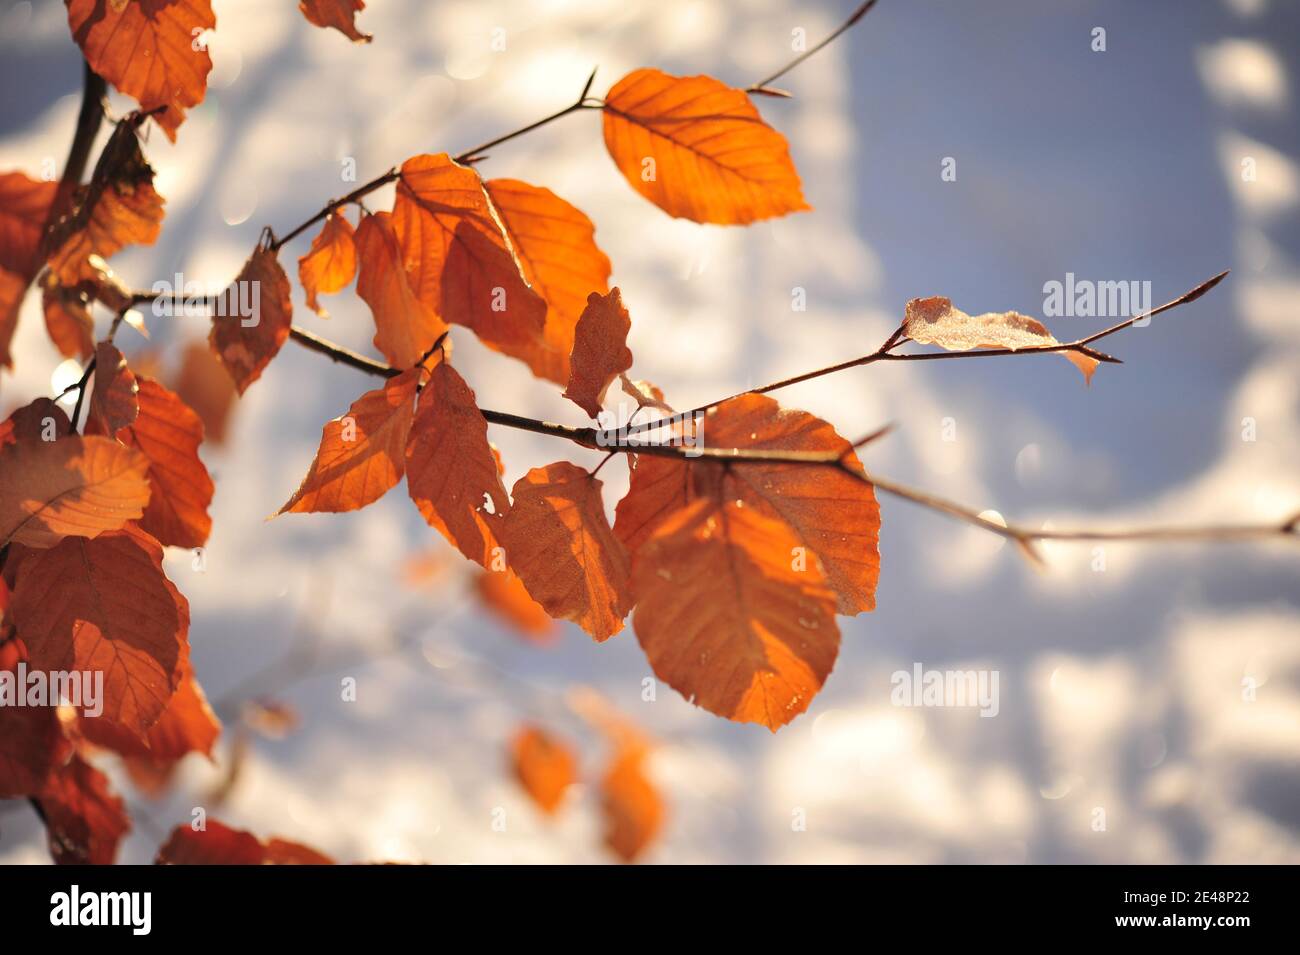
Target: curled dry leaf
405	327
730	618
105	605
218	844
934	321
84	820
544	766
556	247
503	593
458	258
119	207
76	486
559	542
331	262
169	433
148	50
113	403
699	150
252	319
600	352
451	472
362	453
339	14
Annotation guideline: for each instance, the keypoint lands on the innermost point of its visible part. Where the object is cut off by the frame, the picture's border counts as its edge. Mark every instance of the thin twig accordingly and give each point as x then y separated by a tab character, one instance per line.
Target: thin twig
762	85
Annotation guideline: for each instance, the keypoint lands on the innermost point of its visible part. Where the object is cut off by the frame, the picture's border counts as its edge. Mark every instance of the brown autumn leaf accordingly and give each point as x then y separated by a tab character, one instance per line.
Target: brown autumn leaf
503	593
339	14
252	322
699	150
559	542
600	352
457	256
556	247
119	207
219	844
187	725
632	807
169	433
331	262
41	420
113	403
834	515
84	820
933	321
729	618
202	384
24	208
148	50
405	327
362	453
68	320
32	746
106	605
543	765
451	471
78	485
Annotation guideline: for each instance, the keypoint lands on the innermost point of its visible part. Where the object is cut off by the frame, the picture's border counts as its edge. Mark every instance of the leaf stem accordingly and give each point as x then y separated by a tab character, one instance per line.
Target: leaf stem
854	17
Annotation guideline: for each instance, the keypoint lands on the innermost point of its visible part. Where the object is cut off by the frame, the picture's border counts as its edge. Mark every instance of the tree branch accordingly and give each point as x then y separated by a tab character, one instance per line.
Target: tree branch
762	85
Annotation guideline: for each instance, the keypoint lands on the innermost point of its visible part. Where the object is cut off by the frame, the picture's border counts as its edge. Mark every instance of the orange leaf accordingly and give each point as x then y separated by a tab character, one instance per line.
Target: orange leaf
727	620
450	468
113	403
78	485
67	318
834	515
24	208
457	257
933	321
363	453
204	386
118	208
544	766
556	247
31	747
218	844
559	542
339	14
147	49
84	820
186	726
699	150
633	810
405	327
42	420
253	321
168	433
331	263
504	594
600	352
105	605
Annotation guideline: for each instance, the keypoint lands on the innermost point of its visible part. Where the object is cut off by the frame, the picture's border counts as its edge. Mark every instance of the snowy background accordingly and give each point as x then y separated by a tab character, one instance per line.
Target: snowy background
1120	689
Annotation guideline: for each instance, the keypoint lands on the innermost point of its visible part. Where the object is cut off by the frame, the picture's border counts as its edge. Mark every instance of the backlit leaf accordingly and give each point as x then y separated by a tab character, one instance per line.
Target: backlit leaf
362	453
600	352
148	49
339	14
113	403
249	329
559	542
84	820
543	765
405	327
699	150
331	263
